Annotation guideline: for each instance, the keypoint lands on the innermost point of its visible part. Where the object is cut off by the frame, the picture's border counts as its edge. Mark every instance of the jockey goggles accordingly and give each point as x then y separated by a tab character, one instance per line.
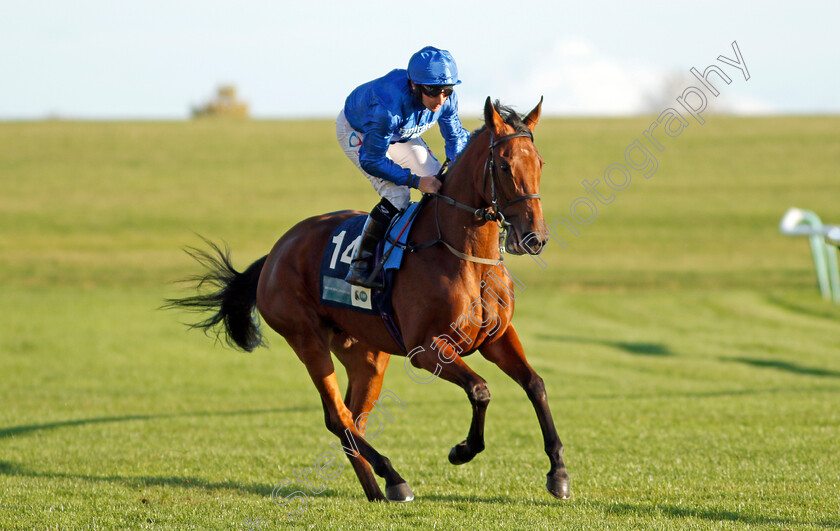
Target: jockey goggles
434	91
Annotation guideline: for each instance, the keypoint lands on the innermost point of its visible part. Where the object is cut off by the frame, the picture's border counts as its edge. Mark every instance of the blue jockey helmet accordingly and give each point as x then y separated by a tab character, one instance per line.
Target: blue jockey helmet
431	66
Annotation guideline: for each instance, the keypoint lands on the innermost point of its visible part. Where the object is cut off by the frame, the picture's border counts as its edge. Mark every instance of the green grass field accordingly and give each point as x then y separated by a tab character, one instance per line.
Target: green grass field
692	367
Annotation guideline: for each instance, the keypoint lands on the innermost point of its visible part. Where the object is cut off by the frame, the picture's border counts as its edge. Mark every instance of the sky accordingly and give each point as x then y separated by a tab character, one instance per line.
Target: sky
155	59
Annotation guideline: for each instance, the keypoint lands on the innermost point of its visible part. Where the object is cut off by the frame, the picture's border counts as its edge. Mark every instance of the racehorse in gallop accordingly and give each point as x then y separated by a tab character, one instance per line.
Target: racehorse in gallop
492	185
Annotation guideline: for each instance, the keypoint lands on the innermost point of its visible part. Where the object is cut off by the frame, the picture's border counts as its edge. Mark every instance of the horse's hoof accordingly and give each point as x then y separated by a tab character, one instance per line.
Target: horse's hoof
558	487
399	493
460	454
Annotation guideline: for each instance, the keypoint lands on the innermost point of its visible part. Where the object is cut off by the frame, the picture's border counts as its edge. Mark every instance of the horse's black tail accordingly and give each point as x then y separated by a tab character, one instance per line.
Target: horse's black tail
231	300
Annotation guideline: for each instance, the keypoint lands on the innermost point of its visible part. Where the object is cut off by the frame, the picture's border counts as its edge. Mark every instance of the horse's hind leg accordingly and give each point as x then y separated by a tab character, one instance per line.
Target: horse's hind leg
312	347
507	353
365	372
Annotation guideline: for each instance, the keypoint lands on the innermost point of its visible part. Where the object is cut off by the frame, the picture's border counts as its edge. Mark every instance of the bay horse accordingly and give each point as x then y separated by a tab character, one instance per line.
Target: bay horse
494	183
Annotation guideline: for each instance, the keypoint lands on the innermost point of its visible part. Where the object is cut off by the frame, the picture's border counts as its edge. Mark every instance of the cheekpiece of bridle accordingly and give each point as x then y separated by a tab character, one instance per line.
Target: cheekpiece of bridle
492	212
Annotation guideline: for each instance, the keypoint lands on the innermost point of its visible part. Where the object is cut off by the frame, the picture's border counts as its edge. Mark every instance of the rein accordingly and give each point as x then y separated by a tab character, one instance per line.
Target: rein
487	214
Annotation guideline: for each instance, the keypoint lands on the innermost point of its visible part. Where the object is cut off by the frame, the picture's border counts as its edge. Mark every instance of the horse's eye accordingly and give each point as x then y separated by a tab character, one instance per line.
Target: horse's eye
504	166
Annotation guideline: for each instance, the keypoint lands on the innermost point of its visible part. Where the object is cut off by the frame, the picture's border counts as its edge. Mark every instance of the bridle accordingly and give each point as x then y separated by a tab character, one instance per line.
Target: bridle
487	214
492	212
490	167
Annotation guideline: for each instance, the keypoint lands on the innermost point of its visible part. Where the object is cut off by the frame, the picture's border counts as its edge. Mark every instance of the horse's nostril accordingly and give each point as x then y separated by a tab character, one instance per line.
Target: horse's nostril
533	242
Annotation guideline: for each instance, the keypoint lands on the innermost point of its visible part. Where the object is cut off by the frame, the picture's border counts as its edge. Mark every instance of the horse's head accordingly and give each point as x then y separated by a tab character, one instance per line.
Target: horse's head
512	181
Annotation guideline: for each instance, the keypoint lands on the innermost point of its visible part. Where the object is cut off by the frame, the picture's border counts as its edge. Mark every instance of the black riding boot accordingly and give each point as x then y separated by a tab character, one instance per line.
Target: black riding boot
375	228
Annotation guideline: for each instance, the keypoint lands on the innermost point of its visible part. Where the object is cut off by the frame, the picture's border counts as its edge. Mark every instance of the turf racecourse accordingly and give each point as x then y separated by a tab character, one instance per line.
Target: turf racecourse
693	370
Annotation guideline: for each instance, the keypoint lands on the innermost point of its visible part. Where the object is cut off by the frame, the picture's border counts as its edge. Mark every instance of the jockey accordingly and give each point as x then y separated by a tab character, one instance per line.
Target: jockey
379	130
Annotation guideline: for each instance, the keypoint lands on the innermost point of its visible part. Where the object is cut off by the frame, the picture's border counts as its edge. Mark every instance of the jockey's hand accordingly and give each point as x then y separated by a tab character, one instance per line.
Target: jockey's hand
429	185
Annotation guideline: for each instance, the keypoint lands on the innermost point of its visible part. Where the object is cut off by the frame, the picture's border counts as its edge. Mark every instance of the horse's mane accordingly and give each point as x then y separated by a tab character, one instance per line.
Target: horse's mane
509	116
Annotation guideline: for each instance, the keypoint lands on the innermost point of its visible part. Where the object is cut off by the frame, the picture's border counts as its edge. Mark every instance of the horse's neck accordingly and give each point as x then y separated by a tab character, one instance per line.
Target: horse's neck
459	227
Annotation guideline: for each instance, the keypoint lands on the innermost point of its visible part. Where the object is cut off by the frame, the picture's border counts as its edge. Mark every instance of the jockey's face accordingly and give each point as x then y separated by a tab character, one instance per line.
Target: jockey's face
433	97
434	103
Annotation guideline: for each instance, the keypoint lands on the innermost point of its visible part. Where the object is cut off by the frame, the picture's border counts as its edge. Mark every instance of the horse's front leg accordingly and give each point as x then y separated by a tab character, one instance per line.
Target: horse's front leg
446	364
506	352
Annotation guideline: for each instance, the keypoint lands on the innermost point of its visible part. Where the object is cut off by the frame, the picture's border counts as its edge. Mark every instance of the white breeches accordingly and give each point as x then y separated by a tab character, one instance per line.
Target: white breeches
413	154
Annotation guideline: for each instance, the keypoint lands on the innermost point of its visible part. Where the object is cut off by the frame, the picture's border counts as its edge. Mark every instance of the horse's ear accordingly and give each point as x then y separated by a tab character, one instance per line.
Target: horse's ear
533	117
493	119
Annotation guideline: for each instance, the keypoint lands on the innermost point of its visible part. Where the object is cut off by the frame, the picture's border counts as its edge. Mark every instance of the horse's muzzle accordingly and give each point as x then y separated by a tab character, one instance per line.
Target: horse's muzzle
531	243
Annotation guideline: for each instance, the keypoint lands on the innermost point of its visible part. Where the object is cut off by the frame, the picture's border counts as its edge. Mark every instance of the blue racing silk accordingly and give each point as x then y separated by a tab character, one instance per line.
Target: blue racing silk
385	111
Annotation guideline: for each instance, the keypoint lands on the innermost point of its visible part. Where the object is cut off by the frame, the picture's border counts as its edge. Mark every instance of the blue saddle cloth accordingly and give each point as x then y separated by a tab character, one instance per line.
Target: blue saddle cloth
335	264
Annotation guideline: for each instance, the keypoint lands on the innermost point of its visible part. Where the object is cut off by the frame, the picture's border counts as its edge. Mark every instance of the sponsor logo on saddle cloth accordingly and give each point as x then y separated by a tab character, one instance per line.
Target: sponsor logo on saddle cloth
335	264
